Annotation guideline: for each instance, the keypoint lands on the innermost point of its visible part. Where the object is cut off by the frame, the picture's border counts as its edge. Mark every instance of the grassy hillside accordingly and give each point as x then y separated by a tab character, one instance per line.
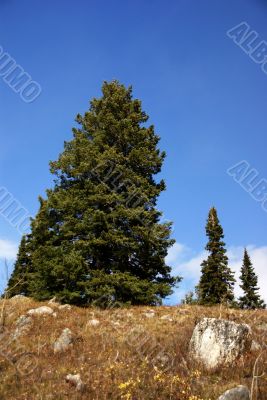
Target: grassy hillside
131	353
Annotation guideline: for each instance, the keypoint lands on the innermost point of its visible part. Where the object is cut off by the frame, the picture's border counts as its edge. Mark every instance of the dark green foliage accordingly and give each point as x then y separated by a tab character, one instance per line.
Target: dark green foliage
19	280
123	288
217	280
249	282
99	232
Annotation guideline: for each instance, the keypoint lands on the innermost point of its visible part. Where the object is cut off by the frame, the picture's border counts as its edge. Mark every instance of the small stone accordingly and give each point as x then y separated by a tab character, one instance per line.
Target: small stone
64	341
149	314
64	307
183	311
237	393
41	311
75	380
23	320
166	318
23	325
20	297
164	360
93	322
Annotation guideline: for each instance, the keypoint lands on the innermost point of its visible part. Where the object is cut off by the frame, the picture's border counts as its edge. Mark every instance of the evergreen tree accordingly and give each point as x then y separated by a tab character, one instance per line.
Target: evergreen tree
217	279
98	232
249	279
19	279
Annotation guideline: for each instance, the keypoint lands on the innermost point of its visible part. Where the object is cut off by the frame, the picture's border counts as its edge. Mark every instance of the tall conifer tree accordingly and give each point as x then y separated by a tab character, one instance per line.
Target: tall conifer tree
98	232
249	282
217	279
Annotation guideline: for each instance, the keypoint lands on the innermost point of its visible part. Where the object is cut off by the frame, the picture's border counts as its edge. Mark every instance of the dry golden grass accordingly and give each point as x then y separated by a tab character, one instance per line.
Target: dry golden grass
127	356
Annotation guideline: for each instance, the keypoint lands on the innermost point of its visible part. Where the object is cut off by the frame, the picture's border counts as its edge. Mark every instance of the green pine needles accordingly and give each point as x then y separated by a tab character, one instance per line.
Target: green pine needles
98	232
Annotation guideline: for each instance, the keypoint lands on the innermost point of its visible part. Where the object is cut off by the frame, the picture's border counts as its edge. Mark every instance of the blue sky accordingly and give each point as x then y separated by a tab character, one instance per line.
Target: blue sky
206	97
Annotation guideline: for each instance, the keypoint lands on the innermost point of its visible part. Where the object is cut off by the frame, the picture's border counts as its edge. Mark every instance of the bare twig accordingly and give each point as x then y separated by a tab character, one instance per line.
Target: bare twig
254	384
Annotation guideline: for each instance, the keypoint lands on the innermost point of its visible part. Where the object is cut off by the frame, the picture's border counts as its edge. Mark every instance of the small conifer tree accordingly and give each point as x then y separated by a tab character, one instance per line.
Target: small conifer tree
217	279
249	281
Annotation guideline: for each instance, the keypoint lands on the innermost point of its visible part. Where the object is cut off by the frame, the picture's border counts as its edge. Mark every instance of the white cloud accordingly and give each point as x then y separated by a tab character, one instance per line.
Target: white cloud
8	249
186	263
176	253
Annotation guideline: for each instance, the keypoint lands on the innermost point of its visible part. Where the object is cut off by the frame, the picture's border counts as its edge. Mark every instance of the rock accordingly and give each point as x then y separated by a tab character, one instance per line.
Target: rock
75	380
64	341
115	323
23	320
163	360
64	307
217	342
166	318
183	311
20	297
93	322
41	311
238	393
23	325
149	314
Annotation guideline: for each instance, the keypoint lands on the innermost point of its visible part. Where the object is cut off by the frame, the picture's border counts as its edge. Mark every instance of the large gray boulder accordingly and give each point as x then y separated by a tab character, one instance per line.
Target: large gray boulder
218	342
237	393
